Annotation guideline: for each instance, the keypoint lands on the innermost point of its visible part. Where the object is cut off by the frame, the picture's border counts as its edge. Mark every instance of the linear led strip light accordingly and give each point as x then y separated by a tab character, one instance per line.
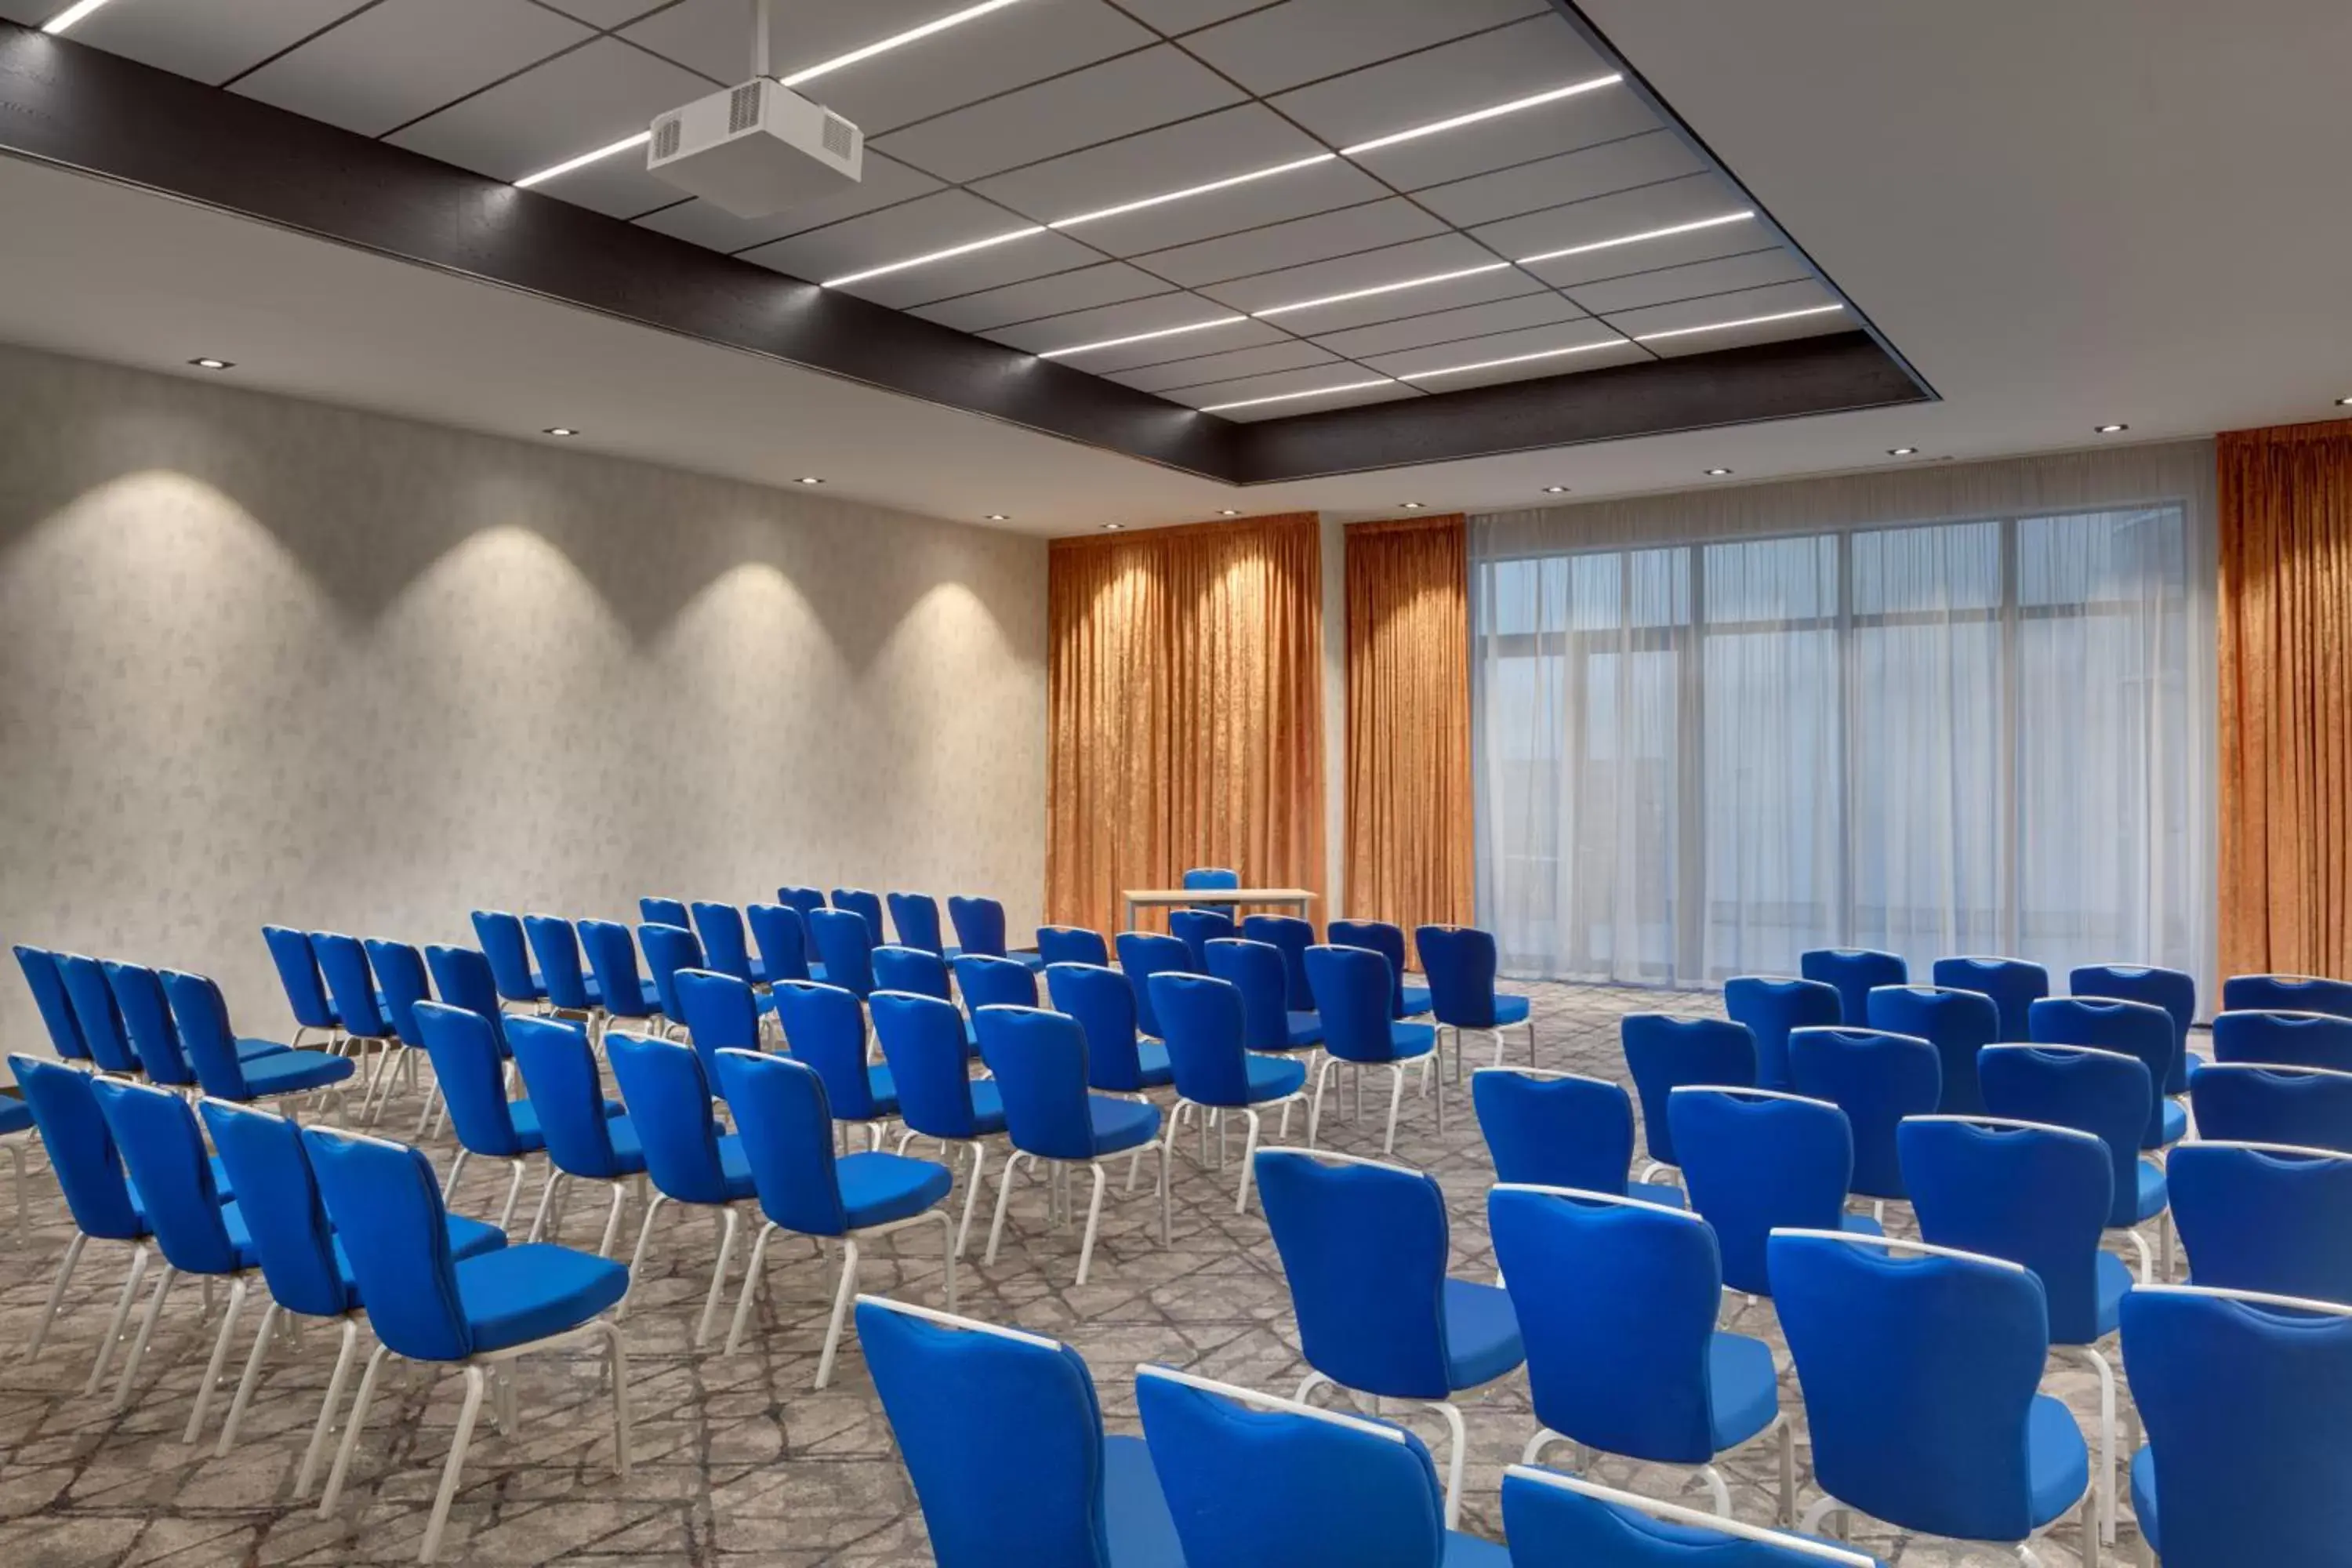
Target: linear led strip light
69	16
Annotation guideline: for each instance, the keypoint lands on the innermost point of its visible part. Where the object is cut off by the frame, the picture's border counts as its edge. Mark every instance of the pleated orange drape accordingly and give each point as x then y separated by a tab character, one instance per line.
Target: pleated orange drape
2285	624
1185	706
1409	834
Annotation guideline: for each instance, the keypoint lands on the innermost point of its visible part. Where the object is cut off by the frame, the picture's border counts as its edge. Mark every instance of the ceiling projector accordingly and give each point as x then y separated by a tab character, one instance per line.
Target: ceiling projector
756	149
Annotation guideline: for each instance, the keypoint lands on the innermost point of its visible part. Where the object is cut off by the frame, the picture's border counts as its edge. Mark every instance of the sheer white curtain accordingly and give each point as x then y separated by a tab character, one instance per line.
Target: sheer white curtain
1965	710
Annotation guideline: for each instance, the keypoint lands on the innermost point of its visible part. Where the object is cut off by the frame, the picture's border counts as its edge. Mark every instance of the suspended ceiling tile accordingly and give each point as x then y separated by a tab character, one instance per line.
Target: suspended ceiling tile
591	97
1241	363
606	13
1652	255
1106	283
1585	334
1777	299
1542	308
714	37
1125	320
406	58
210	40
1325	236
1421	258
1568	124
886	182
31	13
935	221
1117	98
1643	159
1494	68
1690	199
1219	146
1692	280
1334	376
994	268
1304	40
1174	16
1480	287
1538	369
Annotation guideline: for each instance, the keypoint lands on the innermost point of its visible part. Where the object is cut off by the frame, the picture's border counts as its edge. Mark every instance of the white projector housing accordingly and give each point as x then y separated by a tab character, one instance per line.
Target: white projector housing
756	149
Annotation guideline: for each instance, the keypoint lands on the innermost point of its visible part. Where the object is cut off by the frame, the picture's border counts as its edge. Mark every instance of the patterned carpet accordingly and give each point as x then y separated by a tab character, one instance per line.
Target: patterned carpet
737	1459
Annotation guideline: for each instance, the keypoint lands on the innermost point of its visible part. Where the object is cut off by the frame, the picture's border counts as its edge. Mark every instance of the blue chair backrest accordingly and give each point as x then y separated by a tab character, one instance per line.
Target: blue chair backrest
96	1013
1141	955
1919	1369
2133	1028
1212	879
2170	989
201	1014
147	1023
2038	1195
2013	983
1552	1519
2102	1092
298	972
1616	1303
1293	936
1772	1006
1256	1481
1103	1002
464	978
923	1040
1459	962
1202	1017
1878	1079
845	945
1854	971
824	1026
1352	996
1958	1024
468	1066
2265	1216
978	924
782	936
2241	1102
1662	1054
1555	1128
668	1096
916	918
1364	1247
2247	1405
1382	937
726	947
508	951
555	942
351	983
721	1014
1039	1059
48	988
656	912
558	1072
2292	1040
1255	968
400	972
1755	1161
1071	944
806	900
612	956
867	907
670	949
987	982
1000	1433
1198	928
80	1149
163	1150
2286	994
387	1211
780	1111
911	969
278	1198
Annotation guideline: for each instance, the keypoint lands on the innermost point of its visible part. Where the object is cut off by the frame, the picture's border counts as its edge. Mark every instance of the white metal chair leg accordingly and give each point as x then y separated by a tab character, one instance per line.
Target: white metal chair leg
121	1316
146	1331
1166	1199
16	1153
514	1194
612	1219
1454	1461
1718	1493
1249	1158
1824	1506
539	1231
972	1185
449	1182
637	1256
841	1297
1093	1222
351	1442
326	1422
1003	1197
466	1416
2105	1472
717	1275
1315	1109
1396	1103
751	1288
617	1352
237	1291
58	1294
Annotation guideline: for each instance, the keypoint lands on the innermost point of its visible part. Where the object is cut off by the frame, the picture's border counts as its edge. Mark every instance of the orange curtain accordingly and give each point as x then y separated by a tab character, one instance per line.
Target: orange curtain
1184	699
1409	834
2285	624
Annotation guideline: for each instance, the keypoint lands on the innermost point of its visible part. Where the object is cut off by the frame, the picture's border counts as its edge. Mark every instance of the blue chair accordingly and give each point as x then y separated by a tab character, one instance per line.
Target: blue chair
507	948
846	944
806	900
923	1040
1211	880
1198	928
476	1313
1560	1130
2170	989
370	1034
401	978
1388	941
1854	971
1213	1072
1663	1054
721	1014
2092	1091
1921	1369
688	1160
782	935
1291	936
2250	1103
48	988
1071	944
1958	1024
669	949
1103	1002
2037	1195
2013	983
2286	1039
824	1026
1141	955
867	907
1039	1060
916	918
1755	1161
1252	968
1364	1247
306	991
1257	1482
986	982
223	1070
979	929
2248	1403
912	969
555	943
585	1141
622	991
471	1070
145	1019
726	945
1771	1006
1878	1079
2135	1029
2286	994
463	978
1002	1437
787	1128
1352	996
2265	1216
662	912
1553	1519
97	1018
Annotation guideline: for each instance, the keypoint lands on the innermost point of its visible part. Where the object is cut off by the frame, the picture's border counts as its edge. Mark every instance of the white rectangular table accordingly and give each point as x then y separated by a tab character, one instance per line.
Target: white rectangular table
1298	898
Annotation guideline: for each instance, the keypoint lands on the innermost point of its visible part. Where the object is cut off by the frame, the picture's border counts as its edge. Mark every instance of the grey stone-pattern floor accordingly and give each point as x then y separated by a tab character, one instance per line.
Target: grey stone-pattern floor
738	1459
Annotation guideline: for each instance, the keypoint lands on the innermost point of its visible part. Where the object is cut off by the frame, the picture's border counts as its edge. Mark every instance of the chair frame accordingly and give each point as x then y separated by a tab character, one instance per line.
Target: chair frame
730	1223
1057	1193
1675	1513
2150	1259
1427	1064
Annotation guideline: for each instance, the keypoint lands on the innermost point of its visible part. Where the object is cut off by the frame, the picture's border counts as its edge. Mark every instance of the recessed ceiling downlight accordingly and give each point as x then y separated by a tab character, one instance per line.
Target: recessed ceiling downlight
559	430
2112	429
209	363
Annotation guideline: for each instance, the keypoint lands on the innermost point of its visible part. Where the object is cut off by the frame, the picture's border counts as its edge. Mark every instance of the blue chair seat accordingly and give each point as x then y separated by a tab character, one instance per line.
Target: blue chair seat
885	1090
1416	1001
1482	1333
1510	1009
987	1108
596	992
468	1238
1469	1552
292	1072
1142	1531
2114	1283
816	971
759	968
628	1149
1665	1192
16	1116
1745	1391
734	1166
516	1294
1272	1078
1861	1224
1153	1069
2057	1464
878	1188
1305	1029
1034	959
254	1050
2142	1495
2152	1191
1413	1040
2176	1122
1121	1124
525	1116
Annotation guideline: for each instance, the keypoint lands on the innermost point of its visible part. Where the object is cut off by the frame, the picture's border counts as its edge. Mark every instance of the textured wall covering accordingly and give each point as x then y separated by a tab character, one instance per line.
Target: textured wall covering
265	660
